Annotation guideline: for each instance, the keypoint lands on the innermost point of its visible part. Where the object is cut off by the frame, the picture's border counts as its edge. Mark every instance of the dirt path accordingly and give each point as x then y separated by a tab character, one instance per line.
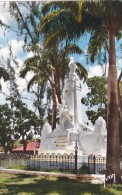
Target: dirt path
92	178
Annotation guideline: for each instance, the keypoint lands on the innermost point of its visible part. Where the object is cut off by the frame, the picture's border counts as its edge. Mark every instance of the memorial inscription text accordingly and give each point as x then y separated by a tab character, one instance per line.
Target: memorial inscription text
60	141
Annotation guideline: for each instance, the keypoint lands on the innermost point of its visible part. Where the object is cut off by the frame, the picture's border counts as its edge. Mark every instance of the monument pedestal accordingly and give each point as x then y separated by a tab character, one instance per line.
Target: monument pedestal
59	141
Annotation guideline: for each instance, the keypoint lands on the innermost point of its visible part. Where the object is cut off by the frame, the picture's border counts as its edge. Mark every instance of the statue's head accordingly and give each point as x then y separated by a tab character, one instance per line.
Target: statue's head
72	65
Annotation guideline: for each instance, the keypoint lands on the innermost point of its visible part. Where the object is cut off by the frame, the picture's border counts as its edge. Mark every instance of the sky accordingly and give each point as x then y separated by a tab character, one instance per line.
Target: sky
10	38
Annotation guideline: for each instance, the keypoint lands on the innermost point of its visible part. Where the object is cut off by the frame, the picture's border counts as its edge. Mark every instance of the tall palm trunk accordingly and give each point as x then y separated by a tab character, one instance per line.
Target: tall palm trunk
113	146
58	90
120	102
54	108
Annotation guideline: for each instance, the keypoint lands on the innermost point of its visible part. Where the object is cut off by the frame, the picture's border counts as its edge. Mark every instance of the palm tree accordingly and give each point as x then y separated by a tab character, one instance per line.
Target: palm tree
110	15
29	27
52	67
119	90
69	21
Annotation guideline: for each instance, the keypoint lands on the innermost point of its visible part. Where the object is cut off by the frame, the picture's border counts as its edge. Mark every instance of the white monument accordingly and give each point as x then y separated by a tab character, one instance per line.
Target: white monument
71	127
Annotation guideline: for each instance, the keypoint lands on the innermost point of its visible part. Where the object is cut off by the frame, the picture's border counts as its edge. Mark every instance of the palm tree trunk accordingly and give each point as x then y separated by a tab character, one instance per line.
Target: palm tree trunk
120	110
120	102
58	90
57	81
54	108
113	144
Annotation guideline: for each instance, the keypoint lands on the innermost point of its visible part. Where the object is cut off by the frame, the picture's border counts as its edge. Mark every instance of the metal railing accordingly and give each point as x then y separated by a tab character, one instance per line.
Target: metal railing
97	163
65	162
52	162
18	161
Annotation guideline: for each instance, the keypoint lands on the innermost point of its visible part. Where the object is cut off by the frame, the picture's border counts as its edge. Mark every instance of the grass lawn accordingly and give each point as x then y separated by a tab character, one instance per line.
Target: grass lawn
42	185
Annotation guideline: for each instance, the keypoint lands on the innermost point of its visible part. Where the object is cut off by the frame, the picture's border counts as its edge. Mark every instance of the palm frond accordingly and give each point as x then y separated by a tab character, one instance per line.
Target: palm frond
79	14
30	64
70	49
57	18
96	42
48	6
82	72
57	35
32	81
24	72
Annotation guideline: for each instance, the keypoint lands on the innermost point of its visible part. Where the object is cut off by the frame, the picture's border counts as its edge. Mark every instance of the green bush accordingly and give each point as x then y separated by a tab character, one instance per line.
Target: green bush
84	170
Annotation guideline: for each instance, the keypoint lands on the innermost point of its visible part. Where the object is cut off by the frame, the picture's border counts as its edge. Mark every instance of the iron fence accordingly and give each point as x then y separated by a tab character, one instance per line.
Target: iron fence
48	162
10	161
97	163
65	162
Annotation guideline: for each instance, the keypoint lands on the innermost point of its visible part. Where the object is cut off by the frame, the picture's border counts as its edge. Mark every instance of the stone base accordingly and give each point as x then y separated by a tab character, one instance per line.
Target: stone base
62	140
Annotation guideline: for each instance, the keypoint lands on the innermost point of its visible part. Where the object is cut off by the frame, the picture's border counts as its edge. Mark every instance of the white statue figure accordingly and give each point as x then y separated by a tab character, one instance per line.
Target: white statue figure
100	126
72	73
65	116
46	129
60	106
64	113
100	132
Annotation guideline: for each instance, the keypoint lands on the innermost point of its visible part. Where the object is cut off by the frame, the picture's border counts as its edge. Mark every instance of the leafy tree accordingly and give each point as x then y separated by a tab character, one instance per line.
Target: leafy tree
28	16
40	102
96	99
20	118
16	125
3	74
7	135
25	119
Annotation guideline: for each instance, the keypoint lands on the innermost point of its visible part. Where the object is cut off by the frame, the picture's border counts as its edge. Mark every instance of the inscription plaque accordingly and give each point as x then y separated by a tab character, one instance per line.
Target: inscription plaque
60	141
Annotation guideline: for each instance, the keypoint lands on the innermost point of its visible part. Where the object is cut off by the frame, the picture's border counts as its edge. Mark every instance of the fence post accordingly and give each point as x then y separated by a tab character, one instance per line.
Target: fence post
76	152
88	161
94	158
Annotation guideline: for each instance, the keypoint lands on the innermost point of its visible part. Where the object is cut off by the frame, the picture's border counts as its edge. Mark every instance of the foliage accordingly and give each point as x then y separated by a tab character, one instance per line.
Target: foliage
96	99
84	170
51	69
17	144
48	65
6	132
27	15
16	118
16	124
3	74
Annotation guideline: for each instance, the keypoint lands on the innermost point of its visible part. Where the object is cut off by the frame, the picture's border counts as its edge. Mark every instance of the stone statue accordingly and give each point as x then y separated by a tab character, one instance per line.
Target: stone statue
46	129
64	114
100	132
100	126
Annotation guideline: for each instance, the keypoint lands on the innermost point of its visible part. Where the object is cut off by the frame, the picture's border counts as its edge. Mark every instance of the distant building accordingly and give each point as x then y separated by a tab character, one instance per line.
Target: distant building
31	147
